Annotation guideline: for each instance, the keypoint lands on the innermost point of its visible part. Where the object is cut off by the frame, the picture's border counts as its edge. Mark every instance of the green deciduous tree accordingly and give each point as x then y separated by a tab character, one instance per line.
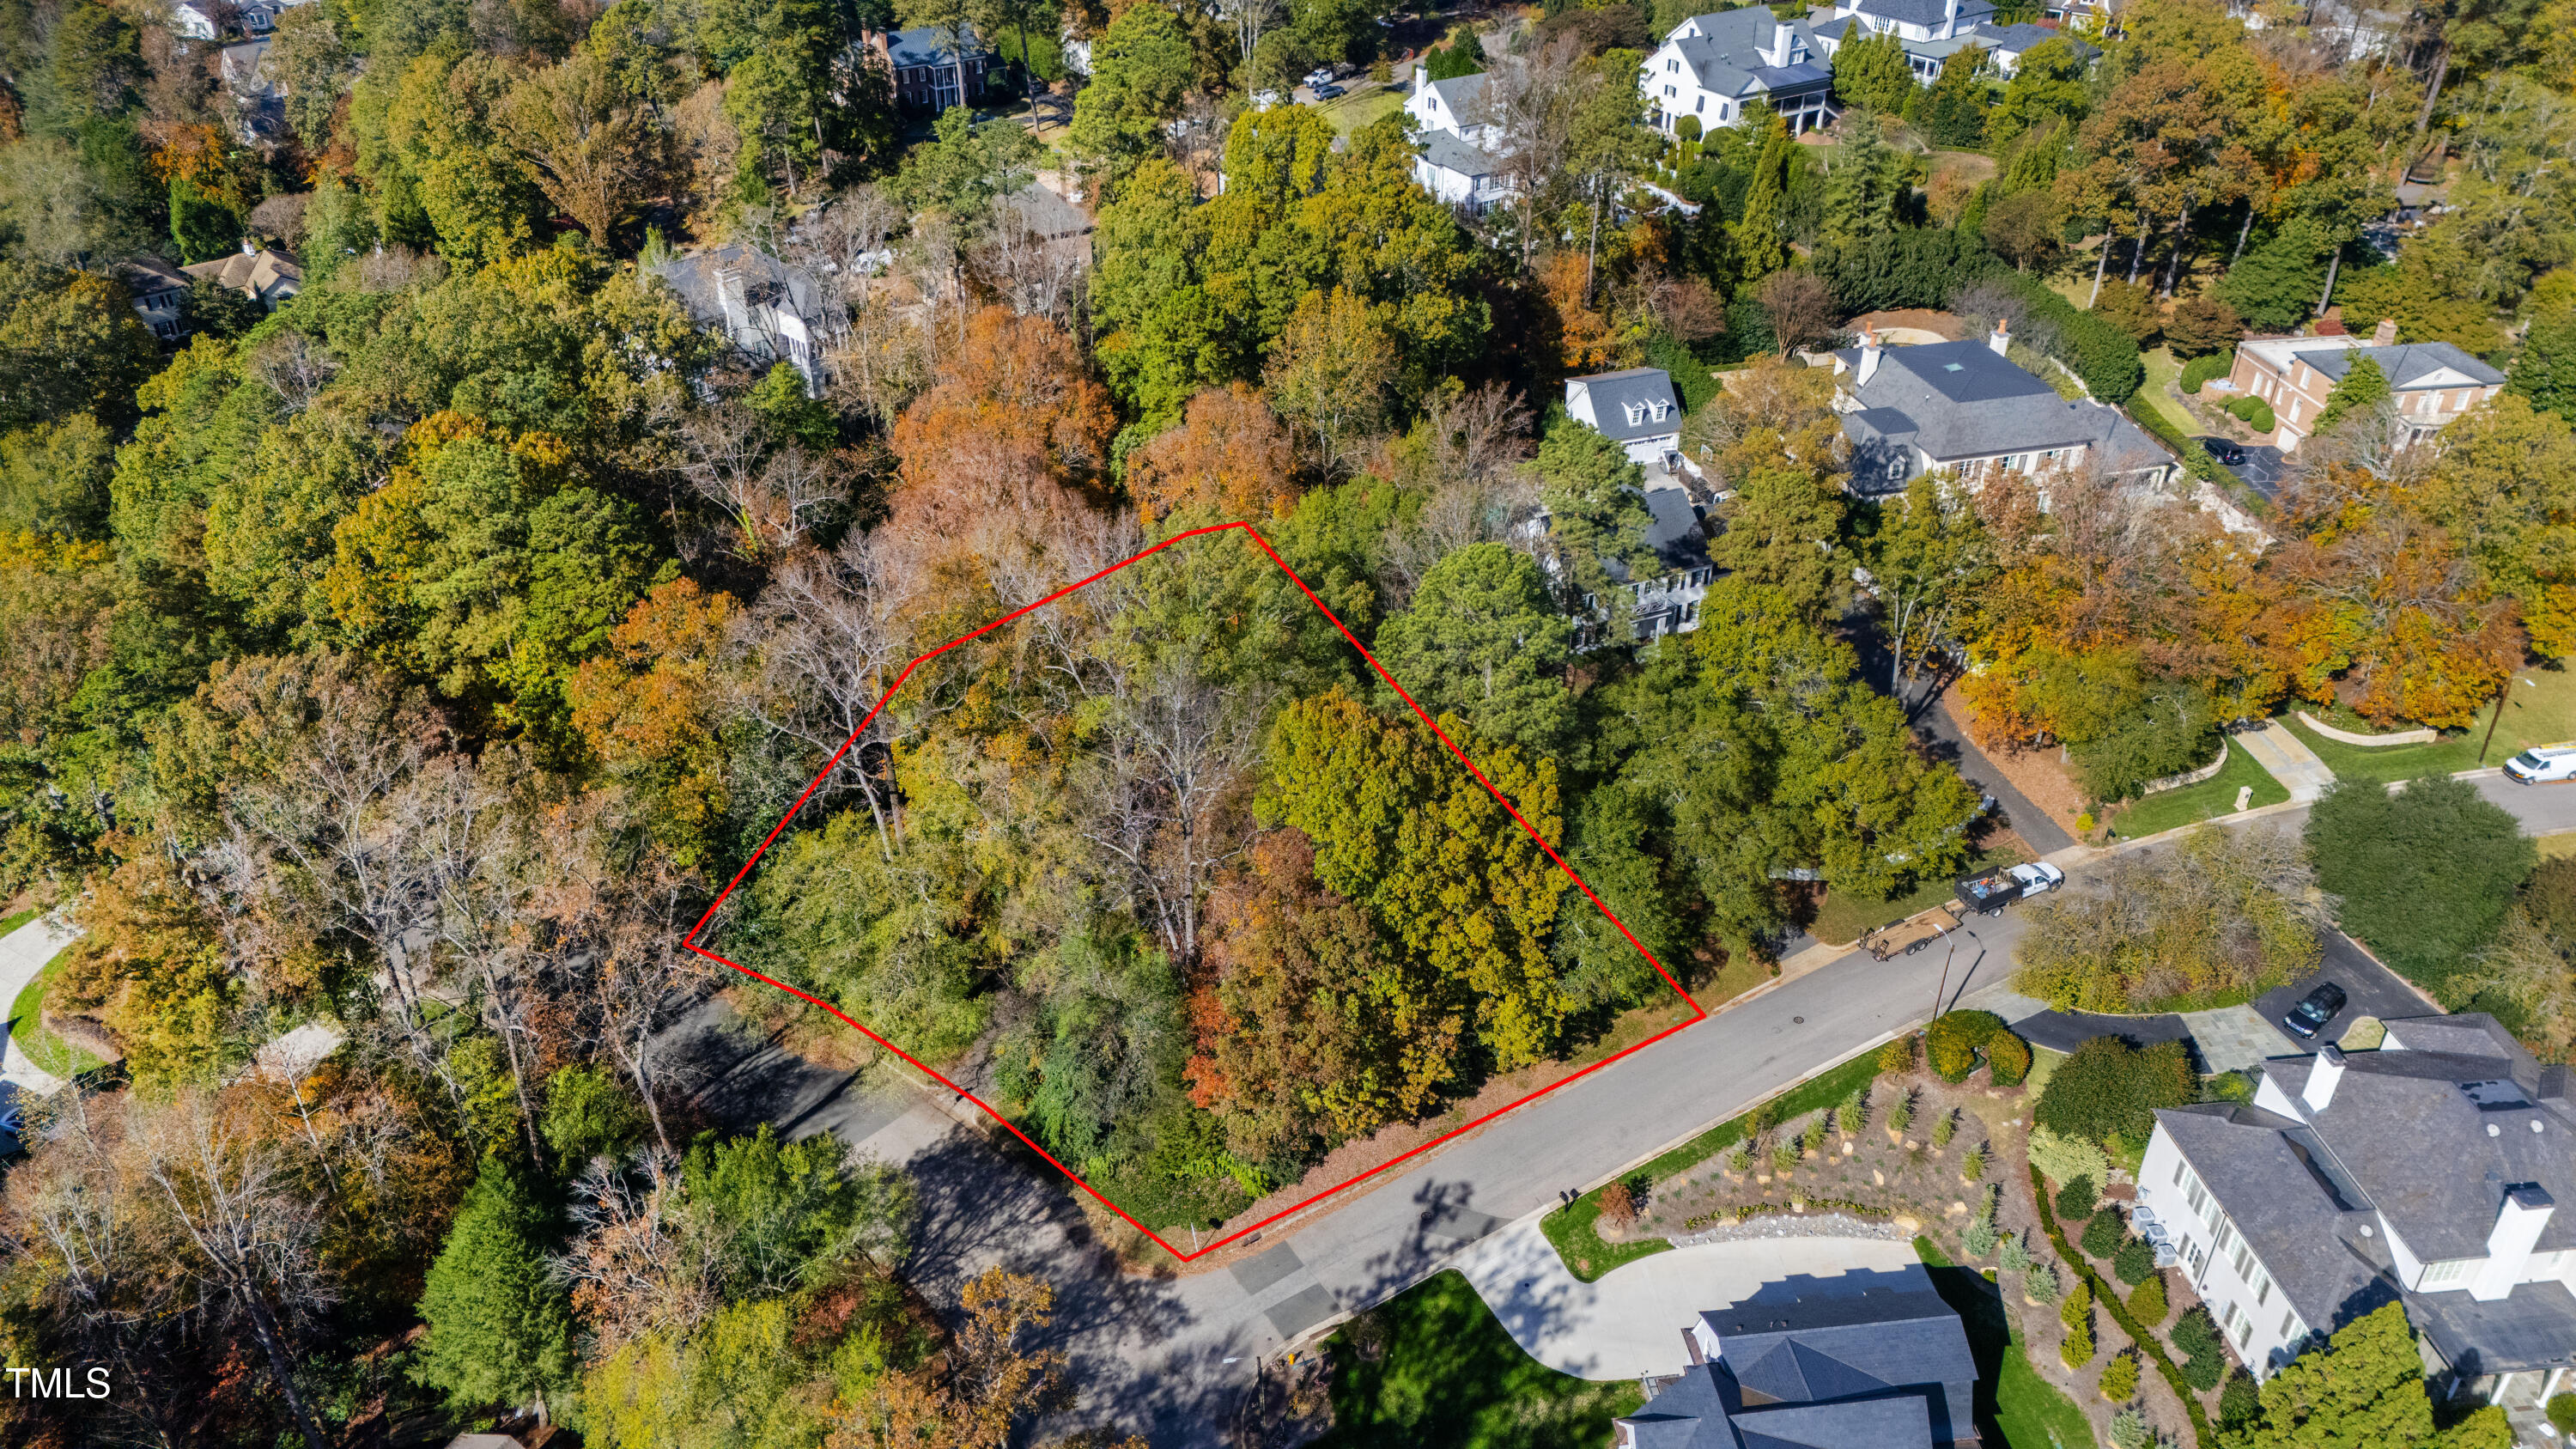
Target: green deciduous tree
2221	911
2109	1092
1953	111
1139	70
1481	639
1597	518
2047	87
2363	389
2425	876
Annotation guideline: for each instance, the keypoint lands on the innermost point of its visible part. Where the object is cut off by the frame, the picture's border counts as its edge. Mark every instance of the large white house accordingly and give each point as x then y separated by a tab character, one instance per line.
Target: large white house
2428	1172
1636	408
1931	31
1712	66
1454	132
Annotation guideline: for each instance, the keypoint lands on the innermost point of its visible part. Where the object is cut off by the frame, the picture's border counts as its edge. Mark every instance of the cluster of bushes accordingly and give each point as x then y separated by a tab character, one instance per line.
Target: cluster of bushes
2108	1093
1957	1040
2090	346
2204	1360
2089	1285
1900	267
2200	372
2253	412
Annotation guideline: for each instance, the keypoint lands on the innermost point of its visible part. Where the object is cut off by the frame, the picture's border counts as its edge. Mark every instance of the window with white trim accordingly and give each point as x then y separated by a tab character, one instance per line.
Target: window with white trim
2448	1271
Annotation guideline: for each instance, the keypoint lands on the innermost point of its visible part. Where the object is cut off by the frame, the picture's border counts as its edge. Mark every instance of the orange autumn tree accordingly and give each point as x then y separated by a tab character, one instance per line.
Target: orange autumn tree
1588	338
651	708
1012	430
1230	458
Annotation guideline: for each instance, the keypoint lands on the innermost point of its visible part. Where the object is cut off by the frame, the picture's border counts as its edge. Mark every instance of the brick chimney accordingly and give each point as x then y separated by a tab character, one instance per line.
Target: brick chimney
2385	335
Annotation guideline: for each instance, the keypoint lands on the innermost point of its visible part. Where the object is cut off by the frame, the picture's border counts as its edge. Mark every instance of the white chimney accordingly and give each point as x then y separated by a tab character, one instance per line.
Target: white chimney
2524	1213
1949	19
1779	44
1869	354
2323	1075
2001	338
249	248
1421	78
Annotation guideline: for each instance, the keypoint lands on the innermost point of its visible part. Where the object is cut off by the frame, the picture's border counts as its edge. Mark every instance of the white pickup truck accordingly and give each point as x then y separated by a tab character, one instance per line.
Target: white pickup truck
1988	894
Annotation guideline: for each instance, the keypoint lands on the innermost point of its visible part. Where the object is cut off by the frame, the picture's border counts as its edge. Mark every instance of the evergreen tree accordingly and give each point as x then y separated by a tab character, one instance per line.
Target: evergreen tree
1596	508
2276	284
500	1327
1862	188
1953	111
1481	640
1758	247
1783	532
1871	73
2363	388
2364	1387
2546	371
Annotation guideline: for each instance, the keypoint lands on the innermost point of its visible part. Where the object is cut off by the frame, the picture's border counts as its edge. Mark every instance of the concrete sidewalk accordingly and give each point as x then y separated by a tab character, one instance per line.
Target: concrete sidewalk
2288	760
1631	1322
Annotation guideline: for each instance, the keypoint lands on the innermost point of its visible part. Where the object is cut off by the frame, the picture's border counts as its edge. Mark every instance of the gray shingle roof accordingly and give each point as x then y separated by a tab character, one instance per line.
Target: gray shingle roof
2406	364
1868	1360
2312	1247
1929	13
928	45
1451	152
1612	392
1461	94
1726	57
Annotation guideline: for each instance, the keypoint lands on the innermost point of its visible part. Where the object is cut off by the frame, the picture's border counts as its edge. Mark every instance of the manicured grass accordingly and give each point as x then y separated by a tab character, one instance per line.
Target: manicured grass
1353	111
2208	800
13	922
1571	1228
2161	371
47	1051
2559	846
1842	919
1430	1367
2540	709
2012	1399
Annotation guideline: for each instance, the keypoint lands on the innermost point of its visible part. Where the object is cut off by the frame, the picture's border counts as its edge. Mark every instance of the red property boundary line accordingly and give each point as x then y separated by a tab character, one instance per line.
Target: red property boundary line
689	942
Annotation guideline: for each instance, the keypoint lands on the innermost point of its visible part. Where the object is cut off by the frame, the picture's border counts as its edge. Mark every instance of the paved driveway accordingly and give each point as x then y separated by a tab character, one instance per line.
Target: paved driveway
2375	991
1631	1322
2261	471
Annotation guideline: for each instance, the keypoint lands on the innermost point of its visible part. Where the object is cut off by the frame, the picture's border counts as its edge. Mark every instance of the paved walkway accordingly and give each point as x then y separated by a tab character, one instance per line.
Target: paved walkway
1631	1322
2231	1037
23	953
2289	760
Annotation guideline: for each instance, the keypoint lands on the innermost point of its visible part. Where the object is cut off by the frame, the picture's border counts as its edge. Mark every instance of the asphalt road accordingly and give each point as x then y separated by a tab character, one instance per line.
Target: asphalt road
2261	471
1173	1356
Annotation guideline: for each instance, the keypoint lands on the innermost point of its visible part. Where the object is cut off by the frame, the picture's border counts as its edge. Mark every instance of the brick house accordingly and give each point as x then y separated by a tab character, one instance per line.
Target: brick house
2434	382
924	64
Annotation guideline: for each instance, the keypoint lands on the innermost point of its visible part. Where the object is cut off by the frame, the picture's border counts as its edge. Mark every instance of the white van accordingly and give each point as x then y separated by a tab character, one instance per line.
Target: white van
2543	765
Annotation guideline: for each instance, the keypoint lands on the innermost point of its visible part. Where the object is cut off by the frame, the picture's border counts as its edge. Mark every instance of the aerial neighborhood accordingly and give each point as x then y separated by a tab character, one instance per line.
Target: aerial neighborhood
1236	724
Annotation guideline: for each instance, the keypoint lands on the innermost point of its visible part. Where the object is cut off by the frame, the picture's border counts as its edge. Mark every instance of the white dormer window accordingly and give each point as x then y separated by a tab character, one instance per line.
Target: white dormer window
1636	413
1656	410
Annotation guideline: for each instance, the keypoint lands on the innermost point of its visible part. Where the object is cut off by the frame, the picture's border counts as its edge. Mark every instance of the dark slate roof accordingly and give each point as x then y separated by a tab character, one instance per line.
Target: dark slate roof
1611	392
2302	1219
2534	1328
928	45
2019	38
1968	401
1452	152
1867	1360
1726	57
1928	13
1675	535
1049	215
2411	1127
2406	364
700	279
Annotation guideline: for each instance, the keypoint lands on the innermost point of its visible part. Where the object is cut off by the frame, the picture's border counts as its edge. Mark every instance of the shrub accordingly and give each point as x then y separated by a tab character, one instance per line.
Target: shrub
2200	372
2131	307
2078	1307
2120	1378
1687	128
2135	1262
2077	1198
2066	1159
1741	1159
1784	1155
1972	1167
2077	1350
1853	1114
1898	1056
2009	1058
1763	1118
2203	1373
2016	1254
1899	266
1953	1040
2242	1399
2041	1283
2253	412
1618	1205
2196	1333
2103	1234
1978	1238
2129	1429
1813	1139
2148	1304
2109	1090
2562	1413
1945	1127
1900	1115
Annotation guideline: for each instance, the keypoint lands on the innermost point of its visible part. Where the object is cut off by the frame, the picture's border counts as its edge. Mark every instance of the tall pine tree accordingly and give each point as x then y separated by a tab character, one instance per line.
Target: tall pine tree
500	1327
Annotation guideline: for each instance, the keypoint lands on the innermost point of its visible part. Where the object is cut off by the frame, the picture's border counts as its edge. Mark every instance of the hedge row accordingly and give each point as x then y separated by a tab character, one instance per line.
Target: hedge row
2094	350
2111	1304
2195	461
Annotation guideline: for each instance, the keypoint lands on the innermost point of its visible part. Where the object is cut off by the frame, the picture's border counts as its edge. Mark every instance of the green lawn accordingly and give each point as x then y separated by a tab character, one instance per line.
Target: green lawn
11	923
2163	370
47	1051
2012	1399
1571	1228
1431	1368
2540	709
2208	800
1353	111
1843	919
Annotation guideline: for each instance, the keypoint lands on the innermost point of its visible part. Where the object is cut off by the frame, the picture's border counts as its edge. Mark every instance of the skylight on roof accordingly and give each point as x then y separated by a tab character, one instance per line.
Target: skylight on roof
1952	367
